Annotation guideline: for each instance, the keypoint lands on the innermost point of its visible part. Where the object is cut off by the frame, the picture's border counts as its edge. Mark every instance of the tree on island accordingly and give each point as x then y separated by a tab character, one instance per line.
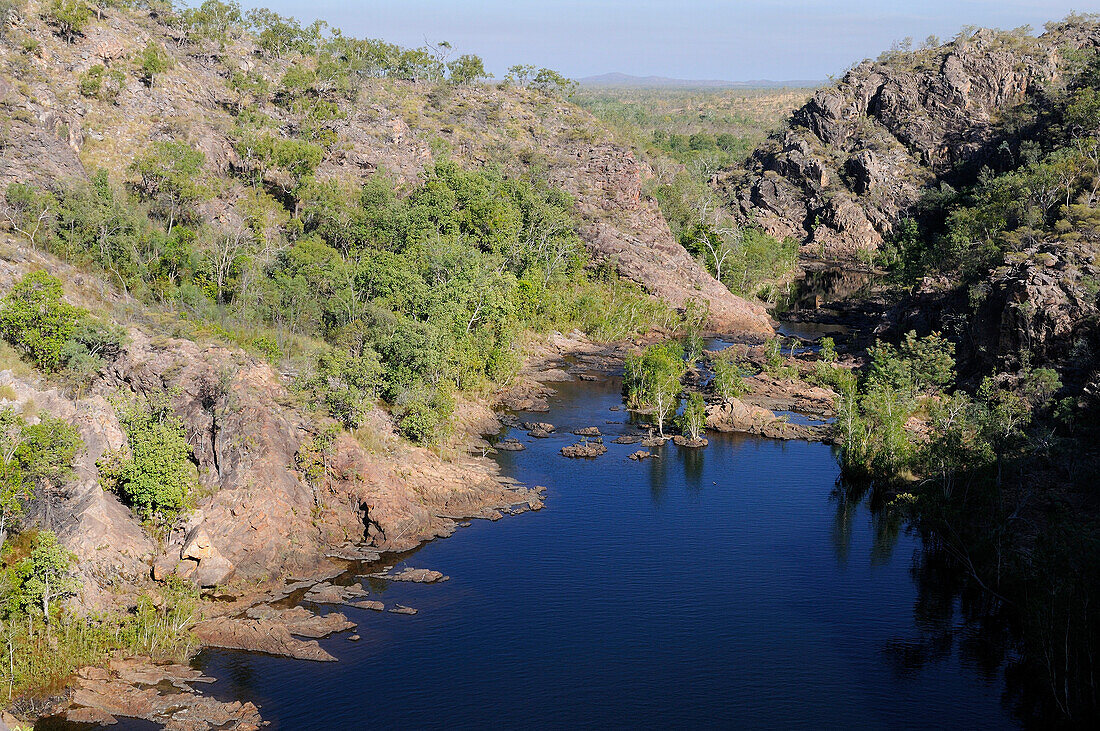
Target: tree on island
652	381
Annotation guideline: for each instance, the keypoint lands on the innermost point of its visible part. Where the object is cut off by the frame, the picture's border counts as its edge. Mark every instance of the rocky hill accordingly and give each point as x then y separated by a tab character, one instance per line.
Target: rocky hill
54	131
858	156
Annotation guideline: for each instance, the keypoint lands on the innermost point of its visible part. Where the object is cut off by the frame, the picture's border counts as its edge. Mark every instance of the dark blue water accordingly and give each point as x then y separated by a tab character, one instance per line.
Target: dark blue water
727	587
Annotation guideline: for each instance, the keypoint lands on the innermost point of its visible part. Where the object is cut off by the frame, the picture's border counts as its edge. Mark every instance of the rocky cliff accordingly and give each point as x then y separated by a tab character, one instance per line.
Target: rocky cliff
859	154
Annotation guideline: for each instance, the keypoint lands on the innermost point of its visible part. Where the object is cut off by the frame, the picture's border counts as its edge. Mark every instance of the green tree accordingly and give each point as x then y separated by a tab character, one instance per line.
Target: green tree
35	319
157	476
152	62
170	178
694	417
68	17
652	380
729	381
45	577
45	455
549	81
29	211
466	69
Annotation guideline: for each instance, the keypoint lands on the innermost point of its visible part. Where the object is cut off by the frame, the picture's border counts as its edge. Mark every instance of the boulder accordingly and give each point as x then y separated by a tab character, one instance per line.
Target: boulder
197	545
213	570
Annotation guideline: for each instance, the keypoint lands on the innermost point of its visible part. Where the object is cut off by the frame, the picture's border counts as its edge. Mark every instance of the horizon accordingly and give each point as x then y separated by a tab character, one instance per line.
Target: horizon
692	40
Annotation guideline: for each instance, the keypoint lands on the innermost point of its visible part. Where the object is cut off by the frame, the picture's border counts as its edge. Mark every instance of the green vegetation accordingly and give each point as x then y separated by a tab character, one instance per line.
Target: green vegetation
694	416
705	129
652	381
43	644
34	459
44	577
417	296
729	376
68	17
152	62
689	136
157	477
52	333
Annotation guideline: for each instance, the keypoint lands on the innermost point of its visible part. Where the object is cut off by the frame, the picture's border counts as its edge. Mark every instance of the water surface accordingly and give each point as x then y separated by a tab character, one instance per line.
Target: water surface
727	587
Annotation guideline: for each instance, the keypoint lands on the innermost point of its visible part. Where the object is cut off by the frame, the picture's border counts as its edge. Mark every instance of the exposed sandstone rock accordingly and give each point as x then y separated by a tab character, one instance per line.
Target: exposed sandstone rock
682	441
585	449
857	156
417	576
371	604
302	622
334	594
588	431
213	571
137	688
258	636
640	455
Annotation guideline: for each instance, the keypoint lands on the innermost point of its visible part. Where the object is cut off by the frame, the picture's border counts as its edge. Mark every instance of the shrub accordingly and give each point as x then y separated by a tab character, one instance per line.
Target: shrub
652	380
45	576
68	17
152	62
729	381
157	476
694	416
170	177
35	319
33	458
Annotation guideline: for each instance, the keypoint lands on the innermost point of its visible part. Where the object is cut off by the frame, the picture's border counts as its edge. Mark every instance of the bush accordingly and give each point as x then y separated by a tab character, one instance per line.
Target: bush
729	381
68	17
34	458
694	416
44	577
918	365
35	319
652	381
157	477
152	62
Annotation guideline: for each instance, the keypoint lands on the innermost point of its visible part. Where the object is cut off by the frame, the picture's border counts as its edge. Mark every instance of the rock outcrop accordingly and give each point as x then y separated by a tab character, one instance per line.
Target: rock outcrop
858	155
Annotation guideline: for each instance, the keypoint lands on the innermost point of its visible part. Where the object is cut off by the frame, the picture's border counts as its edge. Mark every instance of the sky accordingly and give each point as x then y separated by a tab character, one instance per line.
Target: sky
734	40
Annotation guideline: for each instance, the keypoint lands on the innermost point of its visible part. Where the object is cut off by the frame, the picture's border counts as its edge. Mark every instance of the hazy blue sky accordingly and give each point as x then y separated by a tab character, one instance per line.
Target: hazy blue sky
697	39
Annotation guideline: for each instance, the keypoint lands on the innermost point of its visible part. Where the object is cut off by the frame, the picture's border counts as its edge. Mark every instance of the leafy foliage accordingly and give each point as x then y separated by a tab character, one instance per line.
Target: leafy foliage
51	332
157	476
652	381
34	459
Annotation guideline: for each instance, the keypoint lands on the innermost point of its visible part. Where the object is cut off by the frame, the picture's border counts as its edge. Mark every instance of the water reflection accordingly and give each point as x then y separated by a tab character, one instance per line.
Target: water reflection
952	614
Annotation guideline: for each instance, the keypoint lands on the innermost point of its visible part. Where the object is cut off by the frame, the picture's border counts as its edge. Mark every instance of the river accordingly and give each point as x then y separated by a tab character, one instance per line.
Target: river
733	586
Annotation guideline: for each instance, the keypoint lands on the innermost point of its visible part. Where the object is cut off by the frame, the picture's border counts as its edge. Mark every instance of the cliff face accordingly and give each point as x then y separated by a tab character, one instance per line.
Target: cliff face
398	127
858	155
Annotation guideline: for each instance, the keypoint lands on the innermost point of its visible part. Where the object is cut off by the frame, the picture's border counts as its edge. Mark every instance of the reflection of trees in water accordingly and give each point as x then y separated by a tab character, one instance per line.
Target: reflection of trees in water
658	474
887	523
692	459
953	613
827	285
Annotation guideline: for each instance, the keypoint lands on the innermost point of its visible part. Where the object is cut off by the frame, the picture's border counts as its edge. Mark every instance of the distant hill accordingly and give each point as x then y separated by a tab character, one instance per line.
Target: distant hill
650	82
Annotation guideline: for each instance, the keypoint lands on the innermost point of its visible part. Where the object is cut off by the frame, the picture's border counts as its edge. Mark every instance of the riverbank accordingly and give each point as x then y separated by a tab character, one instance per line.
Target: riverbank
268	618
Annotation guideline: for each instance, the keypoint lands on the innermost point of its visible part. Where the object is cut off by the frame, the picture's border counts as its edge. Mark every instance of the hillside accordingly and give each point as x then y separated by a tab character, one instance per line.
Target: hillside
260	288
372	124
